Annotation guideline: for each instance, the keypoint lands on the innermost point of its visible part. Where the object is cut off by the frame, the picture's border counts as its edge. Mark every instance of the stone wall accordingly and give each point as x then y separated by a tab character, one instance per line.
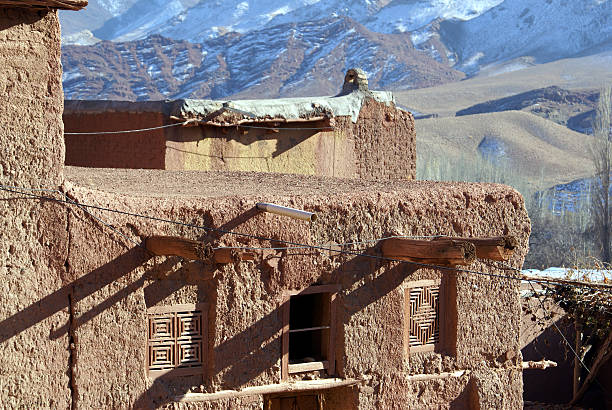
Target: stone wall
34	367
115	282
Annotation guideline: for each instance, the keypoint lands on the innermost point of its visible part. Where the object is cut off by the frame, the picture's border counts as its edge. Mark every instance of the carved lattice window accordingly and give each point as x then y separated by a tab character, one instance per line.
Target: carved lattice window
176	339
423	313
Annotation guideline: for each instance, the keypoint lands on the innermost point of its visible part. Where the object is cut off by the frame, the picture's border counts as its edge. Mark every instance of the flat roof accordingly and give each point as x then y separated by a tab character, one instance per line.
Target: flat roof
264	109
215	184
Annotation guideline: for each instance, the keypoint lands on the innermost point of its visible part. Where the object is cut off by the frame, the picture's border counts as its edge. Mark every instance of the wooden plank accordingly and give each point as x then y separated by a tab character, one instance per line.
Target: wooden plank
286	312
297	387
541	365
333	321
434	376
498	248
54	4
194	250
177	371
446	252
308	367
189	307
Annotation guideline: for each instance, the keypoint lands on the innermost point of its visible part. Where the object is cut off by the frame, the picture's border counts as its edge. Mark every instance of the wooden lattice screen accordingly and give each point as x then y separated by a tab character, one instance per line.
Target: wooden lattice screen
176	339
423	316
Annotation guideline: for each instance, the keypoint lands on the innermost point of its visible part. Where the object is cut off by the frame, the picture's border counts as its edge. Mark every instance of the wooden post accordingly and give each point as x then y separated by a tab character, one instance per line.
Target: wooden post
190	249
577	364
499	248
445	252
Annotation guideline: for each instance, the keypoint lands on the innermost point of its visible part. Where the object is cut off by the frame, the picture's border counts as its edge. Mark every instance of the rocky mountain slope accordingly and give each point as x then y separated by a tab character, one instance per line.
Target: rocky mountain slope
299	47
290	59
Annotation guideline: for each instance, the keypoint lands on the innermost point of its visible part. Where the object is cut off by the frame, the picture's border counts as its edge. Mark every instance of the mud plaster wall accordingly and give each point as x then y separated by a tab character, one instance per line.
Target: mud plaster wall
119	282
34	367
384	141
135	150
381	145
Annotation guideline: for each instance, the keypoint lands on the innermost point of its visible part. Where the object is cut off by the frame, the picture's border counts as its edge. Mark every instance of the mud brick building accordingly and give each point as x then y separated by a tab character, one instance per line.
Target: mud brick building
358	134
91	318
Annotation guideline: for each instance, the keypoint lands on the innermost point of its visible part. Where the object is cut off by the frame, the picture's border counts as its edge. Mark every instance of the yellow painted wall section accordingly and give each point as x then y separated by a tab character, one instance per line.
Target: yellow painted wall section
287	151
197	155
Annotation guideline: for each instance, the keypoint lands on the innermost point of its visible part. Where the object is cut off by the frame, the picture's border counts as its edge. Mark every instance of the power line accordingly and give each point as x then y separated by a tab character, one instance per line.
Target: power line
305	246
190	122
69	201
128	131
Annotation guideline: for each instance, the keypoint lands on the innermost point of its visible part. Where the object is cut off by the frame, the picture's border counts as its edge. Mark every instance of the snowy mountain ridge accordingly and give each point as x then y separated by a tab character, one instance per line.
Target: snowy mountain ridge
196	21
294	44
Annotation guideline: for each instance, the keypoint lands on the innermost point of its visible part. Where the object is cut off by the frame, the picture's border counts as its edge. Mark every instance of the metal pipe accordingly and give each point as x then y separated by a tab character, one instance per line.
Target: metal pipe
290	212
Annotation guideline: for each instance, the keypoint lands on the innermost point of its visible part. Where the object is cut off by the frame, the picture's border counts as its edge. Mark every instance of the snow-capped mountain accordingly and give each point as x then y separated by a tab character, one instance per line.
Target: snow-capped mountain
287	59
546	30
198	20
293	47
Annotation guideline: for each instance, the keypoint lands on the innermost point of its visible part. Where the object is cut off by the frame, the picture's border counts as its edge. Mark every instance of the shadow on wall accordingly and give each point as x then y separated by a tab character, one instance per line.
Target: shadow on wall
246	347
74	292
286	137
18	17
232	354
555	384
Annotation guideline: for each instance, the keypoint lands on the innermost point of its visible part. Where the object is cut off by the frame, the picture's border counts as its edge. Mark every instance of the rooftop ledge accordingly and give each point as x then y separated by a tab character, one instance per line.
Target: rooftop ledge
289	109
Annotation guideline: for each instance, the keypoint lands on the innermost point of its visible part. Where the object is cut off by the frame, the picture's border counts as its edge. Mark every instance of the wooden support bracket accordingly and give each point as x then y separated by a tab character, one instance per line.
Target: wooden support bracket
499	248
445	252
194	250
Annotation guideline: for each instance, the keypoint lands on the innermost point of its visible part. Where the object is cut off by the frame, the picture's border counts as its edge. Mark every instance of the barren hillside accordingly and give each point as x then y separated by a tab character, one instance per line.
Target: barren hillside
508	79
544	152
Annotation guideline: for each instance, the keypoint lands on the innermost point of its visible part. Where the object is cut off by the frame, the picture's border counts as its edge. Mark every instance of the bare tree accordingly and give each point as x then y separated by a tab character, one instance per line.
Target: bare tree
601	153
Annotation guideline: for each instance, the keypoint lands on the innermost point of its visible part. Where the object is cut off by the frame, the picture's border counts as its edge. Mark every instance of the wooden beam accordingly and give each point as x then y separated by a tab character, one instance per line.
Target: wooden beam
446	252
53	4
194	250
250	121
499	248
299	386
541	365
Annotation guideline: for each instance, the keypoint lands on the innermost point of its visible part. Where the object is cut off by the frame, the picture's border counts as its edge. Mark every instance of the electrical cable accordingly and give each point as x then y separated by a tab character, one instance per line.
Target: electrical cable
127	131
303	246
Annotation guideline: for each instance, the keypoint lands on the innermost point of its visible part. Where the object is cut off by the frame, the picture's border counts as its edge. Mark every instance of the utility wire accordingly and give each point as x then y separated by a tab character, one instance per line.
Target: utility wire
128	131
297	244
189	122
71	202
282	248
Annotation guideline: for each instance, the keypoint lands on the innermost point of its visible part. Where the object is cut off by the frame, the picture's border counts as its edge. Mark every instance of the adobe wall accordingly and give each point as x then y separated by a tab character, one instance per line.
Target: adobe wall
133	150
116	281
34	245
383	142
379	145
